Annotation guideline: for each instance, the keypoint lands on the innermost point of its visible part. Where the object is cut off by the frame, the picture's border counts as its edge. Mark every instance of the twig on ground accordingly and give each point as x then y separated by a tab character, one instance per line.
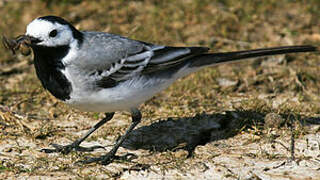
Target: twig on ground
229	41
292	158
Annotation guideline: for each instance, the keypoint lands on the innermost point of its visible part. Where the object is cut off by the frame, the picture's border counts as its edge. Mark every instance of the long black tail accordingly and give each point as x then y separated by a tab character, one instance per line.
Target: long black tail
216	58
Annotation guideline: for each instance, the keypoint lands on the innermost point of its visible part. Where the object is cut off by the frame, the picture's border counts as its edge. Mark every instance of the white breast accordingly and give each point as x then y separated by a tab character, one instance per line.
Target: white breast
127	95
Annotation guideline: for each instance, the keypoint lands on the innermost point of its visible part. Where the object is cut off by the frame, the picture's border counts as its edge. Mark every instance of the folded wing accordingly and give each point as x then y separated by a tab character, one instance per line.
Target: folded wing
152	58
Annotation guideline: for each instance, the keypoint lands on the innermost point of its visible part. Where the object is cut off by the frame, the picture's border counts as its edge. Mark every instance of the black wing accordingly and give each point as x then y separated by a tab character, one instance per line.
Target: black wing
152	58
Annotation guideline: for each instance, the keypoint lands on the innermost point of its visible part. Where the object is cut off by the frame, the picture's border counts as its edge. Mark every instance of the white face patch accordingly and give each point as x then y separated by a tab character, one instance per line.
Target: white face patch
41	29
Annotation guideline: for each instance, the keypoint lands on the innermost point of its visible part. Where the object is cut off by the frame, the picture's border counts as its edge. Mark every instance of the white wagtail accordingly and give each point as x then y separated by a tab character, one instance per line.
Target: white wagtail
102	72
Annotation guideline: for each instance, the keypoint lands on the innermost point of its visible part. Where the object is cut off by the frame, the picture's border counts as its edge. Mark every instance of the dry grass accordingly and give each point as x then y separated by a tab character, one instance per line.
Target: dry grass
209	124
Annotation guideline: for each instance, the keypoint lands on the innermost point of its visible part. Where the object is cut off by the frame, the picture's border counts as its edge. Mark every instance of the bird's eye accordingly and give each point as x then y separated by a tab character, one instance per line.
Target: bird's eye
53	33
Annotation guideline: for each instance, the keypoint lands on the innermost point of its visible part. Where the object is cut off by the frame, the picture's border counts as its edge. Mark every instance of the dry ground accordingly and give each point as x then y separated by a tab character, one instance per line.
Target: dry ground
235	121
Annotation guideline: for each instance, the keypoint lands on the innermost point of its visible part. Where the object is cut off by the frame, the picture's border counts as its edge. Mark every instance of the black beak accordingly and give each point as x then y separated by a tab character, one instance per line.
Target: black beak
28	40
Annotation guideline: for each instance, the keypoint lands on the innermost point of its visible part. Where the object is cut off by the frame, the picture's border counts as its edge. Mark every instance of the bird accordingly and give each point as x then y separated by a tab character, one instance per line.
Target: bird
105	73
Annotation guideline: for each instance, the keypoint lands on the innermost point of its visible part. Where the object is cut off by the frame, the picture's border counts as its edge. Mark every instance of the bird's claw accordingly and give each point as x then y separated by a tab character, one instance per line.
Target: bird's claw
103	160
68	148
108	158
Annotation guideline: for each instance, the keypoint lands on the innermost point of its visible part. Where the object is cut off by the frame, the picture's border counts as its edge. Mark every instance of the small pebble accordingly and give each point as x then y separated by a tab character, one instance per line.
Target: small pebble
273	120
181	154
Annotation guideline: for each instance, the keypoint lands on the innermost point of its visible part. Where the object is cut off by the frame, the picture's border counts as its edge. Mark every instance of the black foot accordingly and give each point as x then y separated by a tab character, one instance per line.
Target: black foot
104	160
108	158
68	148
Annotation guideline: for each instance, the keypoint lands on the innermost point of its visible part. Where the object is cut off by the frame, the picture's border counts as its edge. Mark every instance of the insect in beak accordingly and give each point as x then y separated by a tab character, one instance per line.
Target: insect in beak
22	43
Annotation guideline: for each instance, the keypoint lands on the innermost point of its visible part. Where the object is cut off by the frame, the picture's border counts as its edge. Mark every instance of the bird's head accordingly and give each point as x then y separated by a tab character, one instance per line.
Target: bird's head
51	31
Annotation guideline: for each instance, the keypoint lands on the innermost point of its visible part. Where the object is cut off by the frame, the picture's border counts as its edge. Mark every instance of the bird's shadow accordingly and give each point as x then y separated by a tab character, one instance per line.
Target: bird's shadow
189	132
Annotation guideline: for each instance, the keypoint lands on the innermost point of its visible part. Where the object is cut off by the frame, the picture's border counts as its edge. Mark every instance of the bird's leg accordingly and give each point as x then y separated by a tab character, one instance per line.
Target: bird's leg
76	144
110	156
